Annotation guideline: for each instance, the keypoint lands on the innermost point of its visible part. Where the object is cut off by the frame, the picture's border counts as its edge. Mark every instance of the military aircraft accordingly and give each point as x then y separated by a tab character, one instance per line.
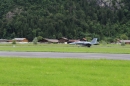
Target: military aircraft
86	43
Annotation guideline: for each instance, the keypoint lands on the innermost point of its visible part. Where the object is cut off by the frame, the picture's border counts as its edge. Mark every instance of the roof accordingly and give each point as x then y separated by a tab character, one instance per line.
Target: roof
3	40
63	38
84	39
73	40
19	38
51	40
124	40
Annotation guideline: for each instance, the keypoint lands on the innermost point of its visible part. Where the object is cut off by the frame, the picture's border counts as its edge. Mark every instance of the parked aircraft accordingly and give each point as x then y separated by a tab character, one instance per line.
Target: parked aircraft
86	43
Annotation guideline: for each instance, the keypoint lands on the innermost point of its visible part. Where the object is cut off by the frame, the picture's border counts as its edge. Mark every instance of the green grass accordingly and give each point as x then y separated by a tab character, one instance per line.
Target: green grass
111	48
63	72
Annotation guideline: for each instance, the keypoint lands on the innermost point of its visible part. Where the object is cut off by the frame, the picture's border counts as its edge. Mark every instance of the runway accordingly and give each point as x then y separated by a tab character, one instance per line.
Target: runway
65	55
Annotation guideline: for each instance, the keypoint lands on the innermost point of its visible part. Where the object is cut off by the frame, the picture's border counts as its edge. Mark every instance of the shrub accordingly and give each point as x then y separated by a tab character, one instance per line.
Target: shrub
35	40
122	43
103	42
14	42
39	38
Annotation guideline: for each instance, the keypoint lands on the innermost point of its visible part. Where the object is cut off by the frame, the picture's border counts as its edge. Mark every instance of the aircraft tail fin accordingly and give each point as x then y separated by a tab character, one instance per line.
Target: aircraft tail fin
94	41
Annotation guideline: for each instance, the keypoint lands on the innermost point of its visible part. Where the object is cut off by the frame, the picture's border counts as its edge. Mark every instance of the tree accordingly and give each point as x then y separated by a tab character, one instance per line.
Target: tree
35	40
14	42
39	38
124	37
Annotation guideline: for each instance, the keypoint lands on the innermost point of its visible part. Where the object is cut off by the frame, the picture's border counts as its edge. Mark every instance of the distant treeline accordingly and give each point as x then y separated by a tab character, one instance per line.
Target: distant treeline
63	18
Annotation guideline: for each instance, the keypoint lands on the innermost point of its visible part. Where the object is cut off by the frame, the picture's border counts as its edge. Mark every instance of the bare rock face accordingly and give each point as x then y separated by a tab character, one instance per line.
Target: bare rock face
112	4
11	14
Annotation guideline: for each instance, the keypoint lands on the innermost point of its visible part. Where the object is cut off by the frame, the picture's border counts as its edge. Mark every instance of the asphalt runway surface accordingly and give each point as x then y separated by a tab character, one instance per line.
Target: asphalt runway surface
65	55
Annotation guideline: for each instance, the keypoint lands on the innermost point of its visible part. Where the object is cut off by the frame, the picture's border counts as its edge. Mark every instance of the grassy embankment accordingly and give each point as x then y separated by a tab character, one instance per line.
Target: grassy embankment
111	48
63	72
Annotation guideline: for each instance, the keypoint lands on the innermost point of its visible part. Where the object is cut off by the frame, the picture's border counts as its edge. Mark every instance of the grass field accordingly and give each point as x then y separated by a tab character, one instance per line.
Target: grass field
111	48
63	72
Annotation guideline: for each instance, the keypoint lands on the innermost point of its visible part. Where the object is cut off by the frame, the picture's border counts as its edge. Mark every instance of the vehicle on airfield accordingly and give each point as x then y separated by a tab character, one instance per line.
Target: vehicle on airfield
86	43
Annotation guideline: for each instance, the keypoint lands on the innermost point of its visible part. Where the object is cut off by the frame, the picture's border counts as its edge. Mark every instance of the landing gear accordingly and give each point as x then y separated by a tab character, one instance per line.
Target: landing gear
88	45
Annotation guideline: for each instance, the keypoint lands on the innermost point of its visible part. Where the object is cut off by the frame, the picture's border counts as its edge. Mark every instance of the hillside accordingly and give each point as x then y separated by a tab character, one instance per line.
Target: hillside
105	19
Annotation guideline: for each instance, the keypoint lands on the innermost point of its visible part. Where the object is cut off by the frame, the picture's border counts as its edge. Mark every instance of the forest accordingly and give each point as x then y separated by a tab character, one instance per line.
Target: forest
73	19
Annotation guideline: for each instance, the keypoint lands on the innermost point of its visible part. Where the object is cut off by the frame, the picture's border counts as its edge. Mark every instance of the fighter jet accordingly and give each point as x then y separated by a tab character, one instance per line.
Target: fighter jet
86	43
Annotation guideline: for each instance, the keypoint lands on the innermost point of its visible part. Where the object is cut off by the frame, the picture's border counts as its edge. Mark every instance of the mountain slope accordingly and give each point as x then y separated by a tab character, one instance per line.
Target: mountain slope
57	18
